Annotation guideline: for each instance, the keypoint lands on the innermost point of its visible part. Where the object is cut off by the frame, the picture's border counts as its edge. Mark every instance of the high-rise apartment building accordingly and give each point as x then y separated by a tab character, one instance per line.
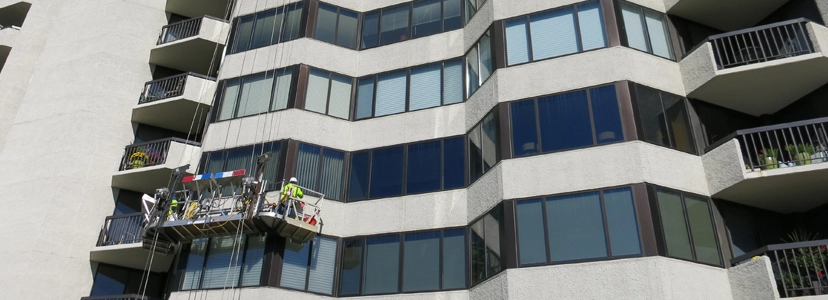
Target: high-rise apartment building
467	149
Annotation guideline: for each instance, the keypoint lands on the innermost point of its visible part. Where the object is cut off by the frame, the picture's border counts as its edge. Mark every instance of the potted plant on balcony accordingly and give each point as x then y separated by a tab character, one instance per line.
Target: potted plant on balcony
801	153
803	272
138	159
768	158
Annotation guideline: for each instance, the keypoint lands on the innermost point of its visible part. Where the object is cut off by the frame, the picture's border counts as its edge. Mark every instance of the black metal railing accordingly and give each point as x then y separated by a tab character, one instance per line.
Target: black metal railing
167	87
120	297
179	30
761	44
149	153
122	229
783	145
798	268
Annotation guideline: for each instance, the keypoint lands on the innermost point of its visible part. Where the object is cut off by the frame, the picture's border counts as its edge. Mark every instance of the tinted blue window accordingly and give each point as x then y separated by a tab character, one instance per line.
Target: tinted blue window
564	121
576	227
386	172
531	240
623	228
524	132
423	167
394	25
370	30
360	167
421	261
351	267
454	258
382	264
426	18
109	281
452	17
454	159
606	115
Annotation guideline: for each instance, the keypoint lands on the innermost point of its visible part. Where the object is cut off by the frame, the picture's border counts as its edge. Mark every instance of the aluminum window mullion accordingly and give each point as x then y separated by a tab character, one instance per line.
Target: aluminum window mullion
545	232
204	262
407	90
645	30
670	140
336	25
401	261
528	38
591	117
578	41
307	267
537	125
605	221
687	223
440	260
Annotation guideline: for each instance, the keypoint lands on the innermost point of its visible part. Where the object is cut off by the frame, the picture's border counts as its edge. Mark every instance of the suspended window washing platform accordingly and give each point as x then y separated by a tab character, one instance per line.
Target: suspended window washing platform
227	204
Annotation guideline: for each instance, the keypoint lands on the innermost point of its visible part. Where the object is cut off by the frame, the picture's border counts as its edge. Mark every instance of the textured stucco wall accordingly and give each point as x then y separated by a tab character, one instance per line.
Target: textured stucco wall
822	5
753	280
72	85
698	67
819	36
723	166
199	89
636	278
610	165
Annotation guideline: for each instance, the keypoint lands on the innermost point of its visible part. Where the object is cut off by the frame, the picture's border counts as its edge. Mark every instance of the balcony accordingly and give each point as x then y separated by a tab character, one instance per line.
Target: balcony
723	15
193	8
120	244
799	268
779	168
179	103
758	70
191	45
146	167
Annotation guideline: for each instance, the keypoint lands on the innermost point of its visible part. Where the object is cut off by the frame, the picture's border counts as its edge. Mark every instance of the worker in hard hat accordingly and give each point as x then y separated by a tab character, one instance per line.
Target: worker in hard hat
172	213
290	190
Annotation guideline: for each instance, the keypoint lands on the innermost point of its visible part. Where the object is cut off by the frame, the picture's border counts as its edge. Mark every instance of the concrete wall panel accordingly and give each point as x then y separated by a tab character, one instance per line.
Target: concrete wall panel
753	280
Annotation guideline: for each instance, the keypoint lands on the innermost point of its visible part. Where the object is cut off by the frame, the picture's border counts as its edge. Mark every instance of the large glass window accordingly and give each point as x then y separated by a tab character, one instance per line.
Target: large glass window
483	141
321	169
485	245
245	158
255	94
665	119
426	18
421	261
566	121
452	14
479	65
310	266
224	262
267	27
394	25
408	169
583	226
336	26
112	280
416	88
328	93
687	225
647	30
554	33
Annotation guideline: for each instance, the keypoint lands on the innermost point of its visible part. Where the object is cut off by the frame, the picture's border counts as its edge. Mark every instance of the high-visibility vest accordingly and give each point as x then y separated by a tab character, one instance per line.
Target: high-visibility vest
294	191
173	205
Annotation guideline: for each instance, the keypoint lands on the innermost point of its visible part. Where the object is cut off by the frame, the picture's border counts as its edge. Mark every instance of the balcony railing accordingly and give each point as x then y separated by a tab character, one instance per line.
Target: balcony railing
120	297
179	30
780	146
167	87
799	268
123	229
761	44
149	153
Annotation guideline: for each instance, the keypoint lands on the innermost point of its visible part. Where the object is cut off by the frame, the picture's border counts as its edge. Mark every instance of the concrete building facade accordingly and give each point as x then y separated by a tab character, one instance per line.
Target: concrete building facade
466	149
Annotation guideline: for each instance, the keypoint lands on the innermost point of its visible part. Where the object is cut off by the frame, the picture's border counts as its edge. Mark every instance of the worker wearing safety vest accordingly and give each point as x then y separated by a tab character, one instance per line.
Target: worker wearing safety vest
293	189
173	206
290	190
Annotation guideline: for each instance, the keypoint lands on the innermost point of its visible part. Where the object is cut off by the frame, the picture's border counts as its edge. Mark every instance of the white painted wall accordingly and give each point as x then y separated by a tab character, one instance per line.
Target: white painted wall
67	92
753	280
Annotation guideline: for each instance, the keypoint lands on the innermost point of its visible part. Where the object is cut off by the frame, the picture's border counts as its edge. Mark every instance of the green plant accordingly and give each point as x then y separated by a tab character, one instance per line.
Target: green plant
767	158
800	235
806	148
771	152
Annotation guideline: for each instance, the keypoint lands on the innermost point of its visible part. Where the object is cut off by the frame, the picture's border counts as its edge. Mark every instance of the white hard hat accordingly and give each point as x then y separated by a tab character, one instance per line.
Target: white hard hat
293	179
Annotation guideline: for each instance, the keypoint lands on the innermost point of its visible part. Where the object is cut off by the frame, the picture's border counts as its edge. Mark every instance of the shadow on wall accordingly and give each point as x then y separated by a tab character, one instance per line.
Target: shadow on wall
14	15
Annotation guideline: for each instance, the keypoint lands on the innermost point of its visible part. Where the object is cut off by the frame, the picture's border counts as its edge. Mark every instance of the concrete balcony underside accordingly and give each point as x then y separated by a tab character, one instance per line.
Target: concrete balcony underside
131	256
184	113
194	8
199	53
760	87
723	15
149	178
785	190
